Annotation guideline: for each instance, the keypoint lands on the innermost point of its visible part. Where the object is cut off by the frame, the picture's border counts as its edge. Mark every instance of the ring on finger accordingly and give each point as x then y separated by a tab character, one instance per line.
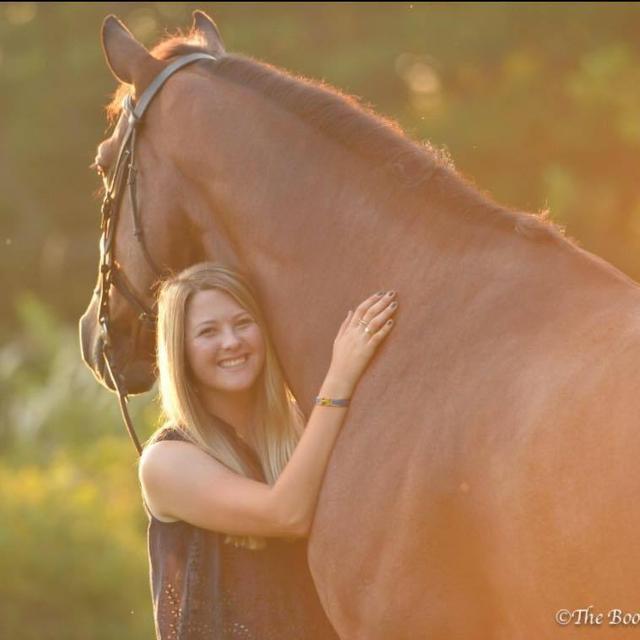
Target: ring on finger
365	324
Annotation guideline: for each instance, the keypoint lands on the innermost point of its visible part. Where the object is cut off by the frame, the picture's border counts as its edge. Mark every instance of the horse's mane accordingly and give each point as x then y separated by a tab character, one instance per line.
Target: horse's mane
419	168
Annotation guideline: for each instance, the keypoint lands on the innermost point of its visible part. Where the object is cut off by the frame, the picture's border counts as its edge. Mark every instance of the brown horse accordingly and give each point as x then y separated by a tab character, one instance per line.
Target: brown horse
487	474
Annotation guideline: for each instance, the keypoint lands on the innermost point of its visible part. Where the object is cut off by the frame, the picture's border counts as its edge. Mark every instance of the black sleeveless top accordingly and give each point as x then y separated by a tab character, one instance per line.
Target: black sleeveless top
204	589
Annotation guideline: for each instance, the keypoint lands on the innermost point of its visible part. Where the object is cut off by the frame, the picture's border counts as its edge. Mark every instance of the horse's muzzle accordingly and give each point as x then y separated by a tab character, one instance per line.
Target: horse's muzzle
91	350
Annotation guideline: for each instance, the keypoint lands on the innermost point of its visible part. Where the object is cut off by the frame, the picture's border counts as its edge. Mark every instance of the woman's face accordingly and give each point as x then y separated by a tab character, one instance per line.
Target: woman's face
224	345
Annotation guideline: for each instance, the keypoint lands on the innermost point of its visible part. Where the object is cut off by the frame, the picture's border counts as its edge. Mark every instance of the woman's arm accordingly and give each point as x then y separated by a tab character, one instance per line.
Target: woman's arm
181	481
296	489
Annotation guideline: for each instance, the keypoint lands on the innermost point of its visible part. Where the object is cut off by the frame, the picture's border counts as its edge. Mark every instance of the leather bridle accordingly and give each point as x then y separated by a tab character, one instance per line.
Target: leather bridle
121	177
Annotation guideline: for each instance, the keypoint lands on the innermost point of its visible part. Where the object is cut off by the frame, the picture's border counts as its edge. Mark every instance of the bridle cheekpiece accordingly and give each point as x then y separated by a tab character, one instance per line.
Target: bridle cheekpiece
121	177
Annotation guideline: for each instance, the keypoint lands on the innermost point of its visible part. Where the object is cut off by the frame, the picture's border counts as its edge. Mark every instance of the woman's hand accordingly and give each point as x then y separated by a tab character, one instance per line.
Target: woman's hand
359	336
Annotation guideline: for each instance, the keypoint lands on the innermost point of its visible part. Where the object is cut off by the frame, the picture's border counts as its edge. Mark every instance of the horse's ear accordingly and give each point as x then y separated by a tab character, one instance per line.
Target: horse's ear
210	34
128	60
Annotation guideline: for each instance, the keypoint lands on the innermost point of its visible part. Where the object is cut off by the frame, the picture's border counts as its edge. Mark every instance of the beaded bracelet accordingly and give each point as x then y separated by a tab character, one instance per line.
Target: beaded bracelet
332	402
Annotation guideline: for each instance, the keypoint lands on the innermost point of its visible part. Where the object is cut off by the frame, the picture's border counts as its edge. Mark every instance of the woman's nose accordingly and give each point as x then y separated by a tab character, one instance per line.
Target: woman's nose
229	338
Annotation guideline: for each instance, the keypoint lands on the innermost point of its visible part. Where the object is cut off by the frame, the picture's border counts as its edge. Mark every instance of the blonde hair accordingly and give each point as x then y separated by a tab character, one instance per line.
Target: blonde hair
279	420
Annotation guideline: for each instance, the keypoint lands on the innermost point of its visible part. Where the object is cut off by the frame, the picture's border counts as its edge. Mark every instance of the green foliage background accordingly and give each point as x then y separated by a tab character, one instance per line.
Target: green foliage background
537	102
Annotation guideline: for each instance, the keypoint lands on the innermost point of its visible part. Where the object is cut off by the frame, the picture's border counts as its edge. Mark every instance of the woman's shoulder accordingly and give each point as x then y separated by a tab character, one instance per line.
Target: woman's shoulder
167	432
157	452
154	464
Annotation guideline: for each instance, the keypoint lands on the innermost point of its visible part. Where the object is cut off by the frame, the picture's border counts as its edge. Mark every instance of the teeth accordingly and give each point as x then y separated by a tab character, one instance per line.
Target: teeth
232	363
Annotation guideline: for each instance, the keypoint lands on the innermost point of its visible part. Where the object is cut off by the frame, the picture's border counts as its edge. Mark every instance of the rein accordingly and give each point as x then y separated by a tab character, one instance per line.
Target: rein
122	177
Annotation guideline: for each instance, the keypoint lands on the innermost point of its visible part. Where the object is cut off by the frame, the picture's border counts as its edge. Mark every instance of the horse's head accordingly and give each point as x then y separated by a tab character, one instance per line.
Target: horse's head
148	228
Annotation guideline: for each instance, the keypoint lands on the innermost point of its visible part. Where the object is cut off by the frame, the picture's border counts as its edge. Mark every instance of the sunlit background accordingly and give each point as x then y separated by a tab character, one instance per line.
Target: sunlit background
539	104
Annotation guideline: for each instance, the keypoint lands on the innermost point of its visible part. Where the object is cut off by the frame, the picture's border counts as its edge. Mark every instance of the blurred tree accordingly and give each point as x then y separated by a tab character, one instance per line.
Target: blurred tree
71	514
72	549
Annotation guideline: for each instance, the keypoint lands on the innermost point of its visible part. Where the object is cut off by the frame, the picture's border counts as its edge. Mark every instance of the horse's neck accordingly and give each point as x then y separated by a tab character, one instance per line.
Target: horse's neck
298	206
319	229
288	196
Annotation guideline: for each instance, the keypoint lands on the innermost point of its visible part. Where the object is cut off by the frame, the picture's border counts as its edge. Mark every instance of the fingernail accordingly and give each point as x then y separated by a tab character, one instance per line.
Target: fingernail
380	293
393	305
389	321
391	293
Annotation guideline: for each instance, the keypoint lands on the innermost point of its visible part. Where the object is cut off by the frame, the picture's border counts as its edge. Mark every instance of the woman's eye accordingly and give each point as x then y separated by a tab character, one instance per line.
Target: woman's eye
207	331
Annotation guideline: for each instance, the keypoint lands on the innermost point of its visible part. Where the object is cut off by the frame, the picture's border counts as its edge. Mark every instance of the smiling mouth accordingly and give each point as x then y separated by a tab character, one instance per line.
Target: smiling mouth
233	363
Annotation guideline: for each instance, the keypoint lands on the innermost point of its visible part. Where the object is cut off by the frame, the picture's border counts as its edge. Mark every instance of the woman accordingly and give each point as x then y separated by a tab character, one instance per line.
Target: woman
233	464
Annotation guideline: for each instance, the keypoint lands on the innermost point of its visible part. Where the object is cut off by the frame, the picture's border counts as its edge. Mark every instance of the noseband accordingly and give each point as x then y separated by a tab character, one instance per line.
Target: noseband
122	176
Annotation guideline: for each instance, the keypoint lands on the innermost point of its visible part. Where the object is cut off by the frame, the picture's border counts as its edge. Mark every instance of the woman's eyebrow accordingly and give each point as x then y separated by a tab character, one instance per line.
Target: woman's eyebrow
215	320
